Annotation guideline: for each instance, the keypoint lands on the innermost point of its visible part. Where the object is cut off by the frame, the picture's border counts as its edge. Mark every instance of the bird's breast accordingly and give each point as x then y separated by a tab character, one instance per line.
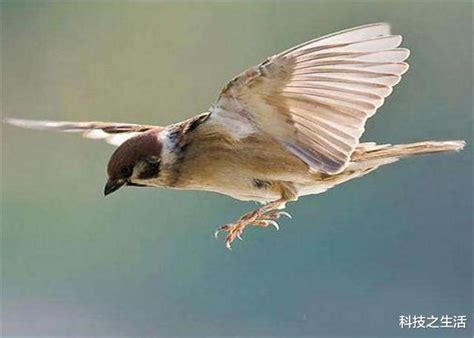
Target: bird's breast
248	169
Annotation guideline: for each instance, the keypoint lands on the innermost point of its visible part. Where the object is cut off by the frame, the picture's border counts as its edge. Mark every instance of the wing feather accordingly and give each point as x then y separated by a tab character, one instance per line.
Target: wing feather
112	132
315	98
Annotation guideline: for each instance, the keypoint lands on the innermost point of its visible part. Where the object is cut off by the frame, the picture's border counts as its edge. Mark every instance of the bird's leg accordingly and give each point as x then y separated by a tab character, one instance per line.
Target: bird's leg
262	217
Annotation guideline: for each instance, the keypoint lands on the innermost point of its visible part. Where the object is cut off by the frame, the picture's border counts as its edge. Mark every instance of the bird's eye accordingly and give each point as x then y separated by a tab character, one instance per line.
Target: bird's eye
126	171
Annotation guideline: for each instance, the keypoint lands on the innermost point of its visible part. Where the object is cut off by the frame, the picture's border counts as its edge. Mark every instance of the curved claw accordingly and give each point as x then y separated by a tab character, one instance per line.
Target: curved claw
219	230
234	231
284	213
275	224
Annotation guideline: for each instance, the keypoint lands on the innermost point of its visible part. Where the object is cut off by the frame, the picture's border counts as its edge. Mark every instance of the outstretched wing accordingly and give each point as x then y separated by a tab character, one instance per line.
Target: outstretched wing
315	98
111	132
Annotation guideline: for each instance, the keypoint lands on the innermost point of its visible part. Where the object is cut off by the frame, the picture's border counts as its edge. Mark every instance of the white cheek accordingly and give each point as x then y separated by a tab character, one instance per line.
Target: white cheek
149	183
167	154
136	172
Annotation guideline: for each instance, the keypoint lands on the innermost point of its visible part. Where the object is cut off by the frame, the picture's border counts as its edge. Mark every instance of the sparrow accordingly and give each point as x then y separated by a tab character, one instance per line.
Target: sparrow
286	128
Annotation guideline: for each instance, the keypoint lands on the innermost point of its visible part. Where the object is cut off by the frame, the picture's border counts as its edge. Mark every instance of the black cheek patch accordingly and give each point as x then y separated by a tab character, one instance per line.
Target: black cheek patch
151	170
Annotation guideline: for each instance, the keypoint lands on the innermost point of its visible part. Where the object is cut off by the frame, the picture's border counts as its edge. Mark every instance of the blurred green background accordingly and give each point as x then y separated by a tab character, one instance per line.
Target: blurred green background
144	262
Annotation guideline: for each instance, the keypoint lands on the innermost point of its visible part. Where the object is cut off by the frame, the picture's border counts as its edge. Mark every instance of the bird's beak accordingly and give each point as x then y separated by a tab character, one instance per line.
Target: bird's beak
113	185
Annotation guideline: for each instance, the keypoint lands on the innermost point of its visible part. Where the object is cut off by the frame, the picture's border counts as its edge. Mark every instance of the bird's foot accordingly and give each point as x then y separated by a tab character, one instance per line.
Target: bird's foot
255	218
233	231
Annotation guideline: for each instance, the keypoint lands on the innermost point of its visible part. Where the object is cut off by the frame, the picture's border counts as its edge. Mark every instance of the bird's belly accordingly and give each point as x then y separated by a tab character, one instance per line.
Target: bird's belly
238	187
251	168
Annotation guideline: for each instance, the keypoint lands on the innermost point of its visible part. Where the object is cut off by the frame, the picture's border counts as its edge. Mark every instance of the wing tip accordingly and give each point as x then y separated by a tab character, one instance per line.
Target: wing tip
456	145
17	122
11	120
374	24
31	124
407	51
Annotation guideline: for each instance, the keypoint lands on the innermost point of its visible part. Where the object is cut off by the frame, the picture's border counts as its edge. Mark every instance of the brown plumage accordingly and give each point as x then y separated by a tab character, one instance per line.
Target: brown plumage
286	128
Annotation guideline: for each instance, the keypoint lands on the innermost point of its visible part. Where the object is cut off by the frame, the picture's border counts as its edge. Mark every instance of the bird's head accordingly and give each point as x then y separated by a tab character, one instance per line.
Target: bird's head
136	162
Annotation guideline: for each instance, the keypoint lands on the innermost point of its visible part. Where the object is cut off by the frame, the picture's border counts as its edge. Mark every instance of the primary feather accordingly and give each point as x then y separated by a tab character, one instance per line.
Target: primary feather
112	132
315	98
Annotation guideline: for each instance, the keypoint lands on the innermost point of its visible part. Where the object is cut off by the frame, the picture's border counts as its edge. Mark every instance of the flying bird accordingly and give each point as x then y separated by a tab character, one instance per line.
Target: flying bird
286	128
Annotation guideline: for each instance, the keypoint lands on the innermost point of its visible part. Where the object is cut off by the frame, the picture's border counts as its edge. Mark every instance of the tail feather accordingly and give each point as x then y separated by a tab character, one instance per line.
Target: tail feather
369	156
373	152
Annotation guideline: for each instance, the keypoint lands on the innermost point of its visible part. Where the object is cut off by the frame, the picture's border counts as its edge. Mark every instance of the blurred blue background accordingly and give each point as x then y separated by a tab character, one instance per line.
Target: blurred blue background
144	262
